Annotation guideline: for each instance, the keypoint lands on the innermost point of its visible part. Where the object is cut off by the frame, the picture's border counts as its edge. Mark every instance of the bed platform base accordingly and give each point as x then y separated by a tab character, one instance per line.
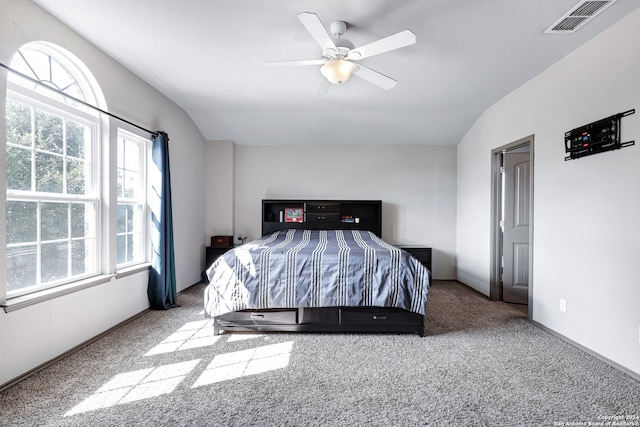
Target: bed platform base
324	319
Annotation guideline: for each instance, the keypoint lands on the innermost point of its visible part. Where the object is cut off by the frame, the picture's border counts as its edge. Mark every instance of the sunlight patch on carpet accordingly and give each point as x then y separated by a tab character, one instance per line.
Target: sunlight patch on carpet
136	385
243	363
191	335
244	337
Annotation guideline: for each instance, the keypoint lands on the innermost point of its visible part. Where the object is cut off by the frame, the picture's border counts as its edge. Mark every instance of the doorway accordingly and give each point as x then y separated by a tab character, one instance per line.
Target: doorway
512	223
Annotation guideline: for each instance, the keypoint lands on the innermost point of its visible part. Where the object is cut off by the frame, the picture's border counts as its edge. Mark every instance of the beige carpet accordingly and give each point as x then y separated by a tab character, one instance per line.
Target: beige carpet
480	364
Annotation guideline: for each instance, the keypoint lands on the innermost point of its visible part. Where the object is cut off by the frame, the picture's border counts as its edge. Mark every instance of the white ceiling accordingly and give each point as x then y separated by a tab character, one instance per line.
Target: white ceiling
205	55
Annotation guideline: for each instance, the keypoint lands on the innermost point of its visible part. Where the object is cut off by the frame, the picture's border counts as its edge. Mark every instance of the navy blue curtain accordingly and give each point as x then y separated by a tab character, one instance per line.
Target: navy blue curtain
162	278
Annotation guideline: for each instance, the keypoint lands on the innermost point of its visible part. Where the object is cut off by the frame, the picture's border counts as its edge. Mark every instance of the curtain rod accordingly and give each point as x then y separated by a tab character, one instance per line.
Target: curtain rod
86	104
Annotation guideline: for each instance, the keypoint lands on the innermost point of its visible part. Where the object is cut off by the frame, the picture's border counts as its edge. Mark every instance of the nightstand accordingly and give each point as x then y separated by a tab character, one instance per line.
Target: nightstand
421	253
212	253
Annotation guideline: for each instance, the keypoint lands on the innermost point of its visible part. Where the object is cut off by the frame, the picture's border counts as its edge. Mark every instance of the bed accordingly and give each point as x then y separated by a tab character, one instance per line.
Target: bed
317	276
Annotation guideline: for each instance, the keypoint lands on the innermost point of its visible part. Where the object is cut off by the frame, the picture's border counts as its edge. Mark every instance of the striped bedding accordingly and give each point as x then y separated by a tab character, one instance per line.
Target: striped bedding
316	268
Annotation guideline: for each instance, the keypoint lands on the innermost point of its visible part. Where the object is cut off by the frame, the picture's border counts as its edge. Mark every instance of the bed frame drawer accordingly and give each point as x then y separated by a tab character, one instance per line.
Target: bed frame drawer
376	316
272	316
321	319
319	315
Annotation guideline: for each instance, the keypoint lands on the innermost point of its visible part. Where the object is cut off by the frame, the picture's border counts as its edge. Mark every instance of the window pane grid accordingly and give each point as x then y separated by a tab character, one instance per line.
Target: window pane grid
51	209
131	224
52	157
45	252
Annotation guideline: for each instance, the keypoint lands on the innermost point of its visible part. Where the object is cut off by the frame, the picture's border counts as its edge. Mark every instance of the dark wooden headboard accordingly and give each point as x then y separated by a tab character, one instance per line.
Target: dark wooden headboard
322	215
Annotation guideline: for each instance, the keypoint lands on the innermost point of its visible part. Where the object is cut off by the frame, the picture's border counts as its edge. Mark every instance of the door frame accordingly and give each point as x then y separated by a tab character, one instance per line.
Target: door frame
495	285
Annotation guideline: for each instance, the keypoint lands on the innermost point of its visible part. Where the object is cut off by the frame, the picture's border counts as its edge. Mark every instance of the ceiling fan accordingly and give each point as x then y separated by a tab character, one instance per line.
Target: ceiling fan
339	54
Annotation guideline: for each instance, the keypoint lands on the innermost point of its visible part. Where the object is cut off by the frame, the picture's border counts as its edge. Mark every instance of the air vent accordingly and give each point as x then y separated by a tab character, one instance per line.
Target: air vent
582	13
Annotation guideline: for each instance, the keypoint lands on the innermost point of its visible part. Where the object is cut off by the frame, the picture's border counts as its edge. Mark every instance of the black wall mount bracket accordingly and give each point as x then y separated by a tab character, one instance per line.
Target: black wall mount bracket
596	137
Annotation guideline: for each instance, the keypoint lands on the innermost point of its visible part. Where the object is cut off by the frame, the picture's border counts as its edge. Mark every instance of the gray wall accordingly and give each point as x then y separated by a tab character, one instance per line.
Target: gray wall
417	185
586	238
38	333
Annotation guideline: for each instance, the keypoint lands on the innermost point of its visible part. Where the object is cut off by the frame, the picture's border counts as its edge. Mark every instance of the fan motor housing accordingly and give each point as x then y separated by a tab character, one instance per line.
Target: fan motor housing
338	28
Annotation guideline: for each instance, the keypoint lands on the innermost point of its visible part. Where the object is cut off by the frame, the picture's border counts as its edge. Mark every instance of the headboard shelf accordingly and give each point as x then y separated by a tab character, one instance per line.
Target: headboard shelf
313	214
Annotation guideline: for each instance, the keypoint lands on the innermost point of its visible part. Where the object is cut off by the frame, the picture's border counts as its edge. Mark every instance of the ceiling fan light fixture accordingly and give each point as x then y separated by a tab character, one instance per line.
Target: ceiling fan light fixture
338	71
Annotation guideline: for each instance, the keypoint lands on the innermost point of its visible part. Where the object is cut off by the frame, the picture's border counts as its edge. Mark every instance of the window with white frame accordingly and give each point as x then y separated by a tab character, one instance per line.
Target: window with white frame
131	189
53	169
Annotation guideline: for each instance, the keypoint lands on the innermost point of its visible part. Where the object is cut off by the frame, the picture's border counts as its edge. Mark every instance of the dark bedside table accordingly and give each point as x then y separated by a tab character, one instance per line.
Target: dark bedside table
421	253
211	254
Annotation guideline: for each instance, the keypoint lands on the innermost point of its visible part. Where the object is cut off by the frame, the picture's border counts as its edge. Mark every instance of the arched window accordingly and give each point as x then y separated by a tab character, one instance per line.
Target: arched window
53	171
45	71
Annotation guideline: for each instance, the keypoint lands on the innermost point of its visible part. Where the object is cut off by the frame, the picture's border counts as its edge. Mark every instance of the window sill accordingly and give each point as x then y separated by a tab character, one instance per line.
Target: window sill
17	303
128	271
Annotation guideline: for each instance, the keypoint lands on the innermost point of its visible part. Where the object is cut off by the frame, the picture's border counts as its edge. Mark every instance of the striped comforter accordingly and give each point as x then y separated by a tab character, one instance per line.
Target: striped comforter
316	268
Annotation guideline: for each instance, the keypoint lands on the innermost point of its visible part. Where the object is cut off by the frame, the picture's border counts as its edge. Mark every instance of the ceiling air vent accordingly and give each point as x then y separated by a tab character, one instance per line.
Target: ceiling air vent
582	13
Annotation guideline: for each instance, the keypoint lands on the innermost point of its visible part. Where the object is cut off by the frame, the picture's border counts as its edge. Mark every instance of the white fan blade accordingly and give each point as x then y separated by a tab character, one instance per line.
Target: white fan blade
323	87
375	77
313	24
294	62
392	42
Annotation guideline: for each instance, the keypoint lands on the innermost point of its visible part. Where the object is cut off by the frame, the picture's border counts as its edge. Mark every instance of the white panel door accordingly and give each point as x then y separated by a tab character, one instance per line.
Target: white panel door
517	199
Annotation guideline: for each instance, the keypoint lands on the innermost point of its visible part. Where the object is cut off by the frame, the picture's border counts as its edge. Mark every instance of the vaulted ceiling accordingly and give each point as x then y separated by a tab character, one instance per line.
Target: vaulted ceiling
206	56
